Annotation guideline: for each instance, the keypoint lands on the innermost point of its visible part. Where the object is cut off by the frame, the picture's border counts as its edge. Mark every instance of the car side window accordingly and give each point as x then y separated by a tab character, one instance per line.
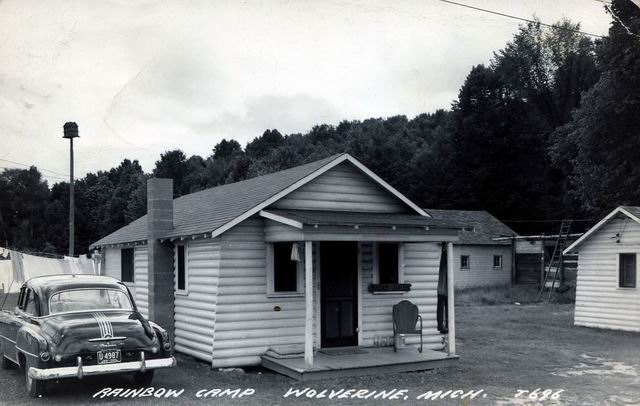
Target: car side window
21	298
30	305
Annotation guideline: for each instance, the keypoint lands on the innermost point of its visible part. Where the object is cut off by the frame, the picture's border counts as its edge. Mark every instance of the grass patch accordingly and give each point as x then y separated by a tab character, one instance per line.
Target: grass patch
505	294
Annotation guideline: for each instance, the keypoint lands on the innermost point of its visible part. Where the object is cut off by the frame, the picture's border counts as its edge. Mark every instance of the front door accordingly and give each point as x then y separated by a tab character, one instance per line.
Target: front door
339	294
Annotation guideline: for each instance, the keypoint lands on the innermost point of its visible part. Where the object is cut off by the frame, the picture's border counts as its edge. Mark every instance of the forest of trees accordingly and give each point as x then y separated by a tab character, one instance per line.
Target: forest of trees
550	129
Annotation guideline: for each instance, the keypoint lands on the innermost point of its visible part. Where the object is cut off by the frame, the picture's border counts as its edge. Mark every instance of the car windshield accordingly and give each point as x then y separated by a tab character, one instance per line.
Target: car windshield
88	299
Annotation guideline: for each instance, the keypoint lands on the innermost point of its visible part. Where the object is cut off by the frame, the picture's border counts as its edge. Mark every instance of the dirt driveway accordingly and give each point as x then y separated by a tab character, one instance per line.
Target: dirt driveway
503	349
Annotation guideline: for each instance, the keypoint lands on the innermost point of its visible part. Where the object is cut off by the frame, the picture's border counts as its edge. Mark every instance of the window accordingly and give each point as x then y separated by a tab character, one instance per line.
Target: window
181	269
88	299
388	255
21	297
126	265
470	229
284	272
497	261
464	262
627	270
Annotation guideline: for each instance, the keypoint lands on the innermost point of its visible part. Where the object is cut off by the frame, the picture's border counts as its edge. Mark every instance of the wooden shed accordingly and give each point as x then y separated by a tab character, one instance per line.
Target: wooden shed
289	264
607	294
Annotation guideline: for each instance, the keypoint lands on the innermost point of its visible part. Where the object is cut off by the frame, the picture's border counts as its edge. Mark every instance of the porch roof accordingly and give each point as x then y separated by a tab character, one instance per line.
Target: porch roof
341	218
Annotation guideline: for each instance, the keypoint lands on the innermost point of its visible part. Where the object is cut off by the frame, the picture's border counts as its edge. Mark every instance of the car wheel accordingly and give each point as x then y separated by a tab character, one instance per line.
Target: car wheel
143	378
36	388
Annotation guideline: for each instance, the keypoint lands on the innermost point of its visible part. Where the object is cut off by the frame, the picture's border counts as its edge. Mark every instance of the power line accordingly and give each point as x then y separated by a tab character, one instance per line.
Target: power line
520	18
45	175
28	166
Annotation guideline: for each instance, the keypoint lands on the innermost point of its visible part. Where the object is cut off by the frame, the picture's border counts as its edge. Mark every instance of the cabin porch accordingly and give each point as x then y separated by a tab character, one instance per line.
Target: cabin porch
365	361
346	302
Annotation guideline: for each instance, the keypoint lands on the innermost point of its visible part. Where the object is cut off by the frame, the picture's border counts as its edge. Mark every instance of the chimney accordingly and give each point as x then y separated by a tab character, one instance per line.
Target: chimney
159	222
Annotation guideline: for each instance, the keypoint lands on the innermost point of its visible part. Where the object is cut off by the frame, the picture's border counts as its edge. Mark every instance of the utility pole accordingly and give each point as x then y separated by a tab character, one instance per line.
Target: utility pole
71	132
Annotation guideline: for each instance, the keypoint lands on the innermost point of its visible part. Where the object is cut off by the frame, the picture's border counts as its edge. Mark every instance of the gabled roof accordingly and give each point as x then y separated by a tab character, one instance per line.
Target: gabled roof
214	211
632	212
484	226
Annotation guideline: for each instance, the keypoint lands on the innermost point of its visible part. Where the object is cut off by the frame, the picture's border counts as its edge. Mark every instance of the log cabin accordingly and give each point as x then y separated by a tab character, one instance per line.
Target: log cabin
282	269
607	294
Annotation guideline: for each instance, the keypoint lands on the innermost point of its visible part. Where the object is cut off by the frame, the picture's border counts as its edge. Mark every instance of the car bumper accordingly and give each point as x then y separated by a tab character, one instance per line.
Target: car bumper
81	371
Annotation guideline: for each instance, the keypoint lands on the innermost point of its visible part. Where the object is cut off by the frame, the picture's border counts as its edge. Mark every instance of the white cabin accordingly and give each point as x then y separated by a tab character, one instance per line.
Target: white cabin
607	294
308	258
481	260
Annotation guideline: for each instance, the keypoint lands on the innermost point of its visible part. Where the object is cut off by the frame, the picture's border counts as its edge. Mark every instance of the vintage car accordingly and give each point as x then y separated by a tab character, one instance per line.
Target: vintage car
71	326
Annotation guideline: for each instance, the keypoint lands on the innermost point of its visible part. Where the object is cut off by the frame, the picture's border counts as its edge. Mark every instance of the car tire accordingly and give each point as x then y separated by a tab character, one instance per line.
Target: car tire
35	388
143	379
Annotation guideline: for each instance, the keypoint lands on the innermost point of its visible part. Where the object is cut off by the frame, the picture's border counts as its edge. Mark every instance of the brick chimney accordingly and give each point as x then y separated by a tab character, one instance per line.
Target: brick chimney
159	222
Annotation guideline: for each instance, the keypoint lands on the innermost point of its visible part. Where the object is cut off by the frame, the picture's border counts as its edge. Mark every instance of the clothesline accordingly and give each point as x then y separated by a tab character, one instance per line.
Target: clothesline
18	267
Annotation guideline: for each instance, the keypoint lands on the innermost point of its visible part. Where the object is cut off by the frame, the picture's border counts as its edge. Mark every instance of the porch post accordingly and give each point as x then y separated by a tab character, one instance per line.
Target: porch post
451	313
308	292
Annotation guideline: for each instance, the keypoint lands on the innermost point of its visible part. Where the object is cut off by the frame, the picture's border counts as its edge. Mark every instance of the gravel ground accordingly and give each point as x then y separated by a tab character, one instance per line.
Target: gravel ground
502	348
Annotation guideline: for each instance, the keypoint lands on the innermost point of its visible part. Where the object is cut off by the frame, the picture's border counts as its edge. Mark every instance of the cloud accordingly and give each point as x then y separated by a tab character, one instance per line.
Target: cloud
141	77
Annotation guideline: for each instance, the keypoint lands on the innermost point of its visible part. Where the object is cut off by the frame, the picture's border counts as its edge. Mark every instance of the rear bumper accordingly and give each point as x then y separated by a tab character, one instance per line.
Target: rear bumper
81	371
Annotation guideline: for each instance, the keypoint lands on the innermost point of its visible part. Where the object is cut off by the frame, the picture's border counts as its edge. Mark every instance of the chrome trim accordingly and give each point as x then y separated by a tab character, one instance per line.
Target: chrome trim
106	329
26	352
143	363
90	370
7	338
80	371
11	359
92	340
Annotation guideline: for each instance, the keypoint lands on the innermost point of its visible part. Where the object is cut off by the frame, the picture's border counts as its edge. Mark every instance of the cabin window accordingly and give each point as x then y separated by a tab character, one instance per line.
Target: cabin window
497	261
387	266
126	265
627	270
181	268
465	262
285	265
388	260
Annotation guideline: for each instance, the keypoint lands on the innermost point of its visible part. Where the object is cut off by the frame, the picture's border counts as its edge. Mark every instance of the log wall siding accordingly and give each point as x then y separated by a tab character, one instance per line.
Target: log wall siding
421	262
141	278
599	301
112	267
195	310
481	271
246	323
343	187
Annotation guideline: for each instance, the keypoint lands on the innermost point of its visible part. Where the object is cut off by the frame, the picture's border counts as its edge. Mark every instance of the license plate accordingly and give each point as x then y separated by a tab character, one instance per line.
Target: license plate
109	356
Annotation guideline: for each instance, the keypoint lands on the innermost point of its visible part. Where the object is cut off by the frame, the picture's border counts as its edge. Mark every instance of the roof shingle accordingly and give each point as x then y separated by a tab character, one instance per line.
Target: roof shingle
207	210
485	226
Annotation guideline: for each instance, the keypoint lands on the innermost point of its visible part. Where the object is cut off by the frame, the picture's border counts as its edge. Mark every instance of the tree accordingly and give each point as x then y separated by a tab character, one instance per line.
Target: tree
23	208
549	66
226	149
497	153
599	147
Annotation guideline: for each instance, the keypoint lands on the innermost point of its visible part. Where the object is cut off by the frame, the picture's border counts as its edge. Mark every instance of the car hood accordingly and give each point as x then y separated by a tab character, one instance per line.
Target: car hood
92	331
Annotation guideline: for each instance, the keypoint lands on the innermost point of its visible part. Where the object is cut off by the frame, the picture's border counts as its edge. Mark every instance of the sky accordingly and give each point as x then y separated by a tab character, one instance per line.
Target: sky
141	77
